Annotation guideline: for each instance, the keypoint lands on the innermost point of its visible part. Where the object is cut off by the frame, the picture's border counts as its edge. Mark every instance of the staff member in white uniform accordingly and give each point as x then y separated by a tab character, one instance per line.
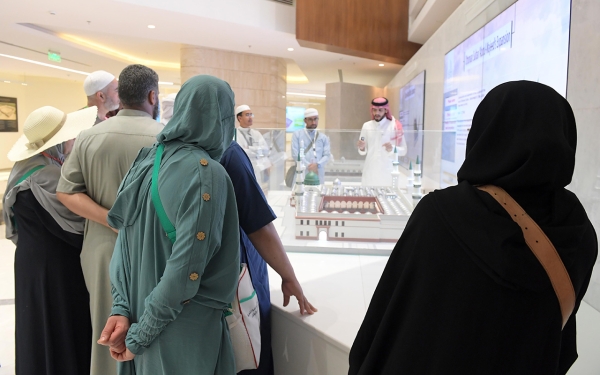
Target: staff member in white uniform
378	138
317	149
252	142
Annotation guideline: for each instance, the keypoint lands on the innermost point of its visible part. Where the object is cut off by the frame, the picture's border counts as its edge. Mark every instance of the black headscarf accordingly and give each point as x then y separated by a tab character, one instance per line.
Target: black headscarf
522	137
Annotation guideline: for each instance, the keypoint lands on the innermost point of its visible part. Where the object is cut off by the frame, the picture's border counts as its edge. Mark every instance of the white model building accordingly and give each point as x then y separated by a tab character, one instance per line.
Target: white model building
347	213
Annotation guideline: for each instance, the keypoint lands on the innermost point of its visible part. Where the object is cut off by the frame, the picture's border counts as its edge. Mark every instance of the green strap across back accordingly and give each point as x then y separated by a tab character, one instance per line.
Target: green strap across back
23	178
29	173
158	206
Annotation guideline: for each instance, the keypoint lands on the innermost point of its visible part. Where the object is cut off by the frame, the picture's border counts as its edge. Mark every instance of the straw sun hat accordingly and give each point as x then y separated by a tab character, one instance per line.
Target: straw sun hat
48	126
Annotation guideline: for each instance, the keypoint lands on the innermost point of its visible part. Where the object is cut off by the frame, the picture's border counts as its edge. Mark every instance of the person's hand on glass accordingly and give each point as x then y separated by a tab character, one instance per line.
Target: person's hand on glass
314	167
293	288
388	146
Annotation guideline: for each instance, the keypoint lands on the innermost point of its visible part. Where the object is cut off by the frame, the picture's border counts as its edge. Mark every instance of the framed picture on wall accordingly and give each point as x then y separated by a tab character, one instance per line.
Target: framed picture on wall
8	114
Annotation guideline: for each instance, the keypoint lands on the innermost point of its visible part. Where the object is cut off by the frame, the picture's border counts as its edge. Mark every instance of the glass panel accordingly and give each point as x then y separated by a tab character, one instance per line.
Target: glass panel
372	214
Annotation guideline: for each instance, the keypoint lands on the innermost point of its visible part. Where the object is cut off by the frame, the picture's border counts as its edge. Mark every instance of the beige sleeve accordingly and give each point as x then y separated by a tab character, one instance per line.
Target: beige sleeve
71	176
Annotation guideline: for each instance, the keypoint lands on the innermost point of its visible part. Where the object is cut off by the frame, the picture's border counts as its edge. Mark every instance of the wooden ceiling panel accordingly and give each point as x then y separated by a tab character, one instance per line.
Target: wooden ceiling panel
375	29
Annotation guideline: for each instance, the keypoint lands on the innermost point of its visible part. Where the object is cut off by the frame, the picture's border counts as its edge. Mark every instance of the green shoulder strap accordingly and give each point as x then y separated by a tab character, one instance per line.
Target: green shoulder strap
23	178
160	210
29	173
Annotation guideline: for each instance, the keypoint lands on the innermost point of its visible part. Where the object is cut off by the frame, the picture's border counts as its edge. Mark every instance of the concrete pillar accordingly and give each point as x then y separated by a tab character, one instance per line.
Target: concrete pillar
258	81
348	108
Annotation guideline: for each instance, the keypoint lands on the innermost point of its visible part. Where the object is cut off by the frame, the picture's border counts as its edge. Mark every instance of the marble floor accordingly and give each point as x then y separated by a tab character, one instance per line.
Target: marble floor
588	318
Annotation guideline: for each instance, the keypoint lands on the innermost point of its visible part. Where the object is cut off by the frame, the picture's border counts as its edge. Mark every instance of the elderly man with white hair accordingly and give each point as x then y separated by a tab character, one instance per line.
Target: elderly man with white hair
317	149
101	89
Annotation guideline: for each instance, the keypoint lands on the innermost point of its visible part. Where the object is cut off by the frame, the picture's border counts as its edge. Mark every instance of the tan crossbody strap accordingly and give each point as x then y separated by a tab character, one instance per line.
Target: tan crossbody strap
543	249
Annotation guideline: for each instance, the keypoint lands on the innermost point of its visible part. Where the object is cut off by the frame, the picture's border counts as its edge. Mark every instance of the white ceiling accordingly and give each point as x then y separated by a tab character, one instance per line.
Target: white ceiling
254	26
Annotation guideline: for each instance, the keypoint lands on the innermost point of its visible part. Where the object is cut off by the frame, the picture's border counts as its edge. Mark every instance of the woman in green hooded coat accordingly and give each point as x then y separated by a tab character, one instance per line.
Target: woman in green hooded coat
173	293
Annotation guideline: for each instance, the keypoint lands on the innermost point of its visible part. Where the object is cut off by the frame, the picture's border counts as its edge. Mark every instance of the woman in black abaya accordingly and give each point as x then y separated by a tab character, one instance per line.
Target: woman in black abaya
462	293
52	319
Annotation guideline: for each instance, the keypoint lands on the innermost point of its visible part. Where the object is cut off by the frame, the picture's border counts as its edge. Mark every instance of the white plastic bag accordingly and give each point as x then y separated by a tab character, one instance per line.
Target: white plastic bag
243	320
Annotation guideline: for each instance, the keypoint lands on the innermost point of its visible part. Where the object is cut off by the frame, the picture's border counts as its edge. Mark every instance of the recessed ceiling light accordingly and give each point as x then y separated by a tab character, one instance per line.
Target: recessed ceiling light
381	64
290	49
151	27
6	81
44	64
283	96
23	83
165	83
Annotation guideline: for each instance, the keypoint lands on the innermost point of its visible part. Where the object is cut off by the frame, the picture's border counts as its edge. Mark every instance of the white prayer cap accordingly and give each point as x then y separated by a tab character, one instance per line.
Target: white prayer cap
310	112
97	81
241	109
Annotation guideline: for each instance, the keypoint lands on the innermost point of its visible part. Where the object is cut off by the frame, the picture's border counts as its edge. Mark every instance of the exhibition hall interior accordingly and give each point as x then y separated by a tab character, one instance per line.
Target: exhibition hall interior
309	77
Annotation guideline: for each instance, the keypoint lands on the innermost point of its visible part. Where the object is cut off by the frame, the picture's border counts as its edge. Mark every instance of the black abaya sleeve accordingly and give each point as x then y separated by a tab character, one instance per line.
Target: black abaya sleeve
34	216
379	308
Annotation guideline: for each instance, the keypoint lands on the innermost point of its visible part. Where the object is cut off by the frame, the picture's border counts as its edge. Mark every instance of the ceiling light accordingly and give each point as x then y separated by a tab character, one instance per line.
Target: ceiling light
165	83
381	64
6	81
151	27
118	54
23	83
303	94
44	64
290	49
300	79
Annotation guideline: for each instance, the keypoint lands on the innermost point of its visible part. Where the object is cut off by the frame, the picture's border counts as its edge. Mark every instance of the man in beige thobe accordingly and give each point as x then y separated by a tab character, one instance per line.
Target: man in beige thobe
89	182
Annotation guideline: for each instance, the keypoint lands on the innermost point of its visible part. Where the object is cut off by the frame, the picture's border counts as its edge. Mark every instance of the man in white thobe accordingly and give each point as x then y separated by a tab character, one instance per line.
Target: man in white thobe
378	138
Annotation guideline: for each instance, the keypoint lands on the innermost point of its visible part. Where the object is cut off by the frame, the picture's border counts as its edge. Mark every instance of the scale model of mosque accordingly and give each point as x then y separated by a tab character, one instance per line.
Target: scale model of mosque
352	213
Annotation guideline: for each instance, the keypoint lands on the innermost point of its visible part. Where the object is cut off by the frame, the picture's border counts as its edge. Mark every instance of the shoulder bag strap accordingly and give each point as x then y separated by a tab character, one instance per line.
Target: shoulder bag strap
248	143
312	141
274	143
543	249
158	206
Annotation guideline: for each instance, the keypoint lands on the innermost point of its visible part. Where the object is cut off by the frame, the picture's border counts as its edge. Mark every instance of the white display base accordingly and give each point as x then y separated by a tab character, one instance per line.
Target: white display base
341	287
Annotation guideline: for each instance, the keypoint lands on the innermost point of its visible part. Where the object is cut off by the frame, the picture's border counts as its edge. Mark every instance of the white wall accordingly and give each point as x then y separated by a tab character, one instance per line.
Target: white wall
65	95
460	25
583	92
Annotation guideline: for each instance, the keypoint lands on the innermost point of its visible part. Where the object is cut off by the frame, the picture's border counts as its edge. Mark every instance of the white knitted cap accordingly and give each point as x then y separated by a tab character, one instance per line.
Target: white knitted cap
310	112
96	82
241	109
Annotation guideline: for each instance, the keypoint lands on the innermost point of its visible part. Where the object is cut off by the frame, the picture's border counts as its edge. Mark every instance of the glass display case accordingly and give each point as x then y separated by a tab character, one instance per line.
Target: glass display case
327	206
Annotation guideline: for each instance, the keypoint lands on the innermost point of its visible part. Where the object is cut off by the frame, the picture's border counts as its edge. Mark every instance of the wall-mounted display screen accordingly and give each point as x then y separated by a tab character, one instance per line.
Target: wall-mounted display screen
529	40
412	106
294	119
